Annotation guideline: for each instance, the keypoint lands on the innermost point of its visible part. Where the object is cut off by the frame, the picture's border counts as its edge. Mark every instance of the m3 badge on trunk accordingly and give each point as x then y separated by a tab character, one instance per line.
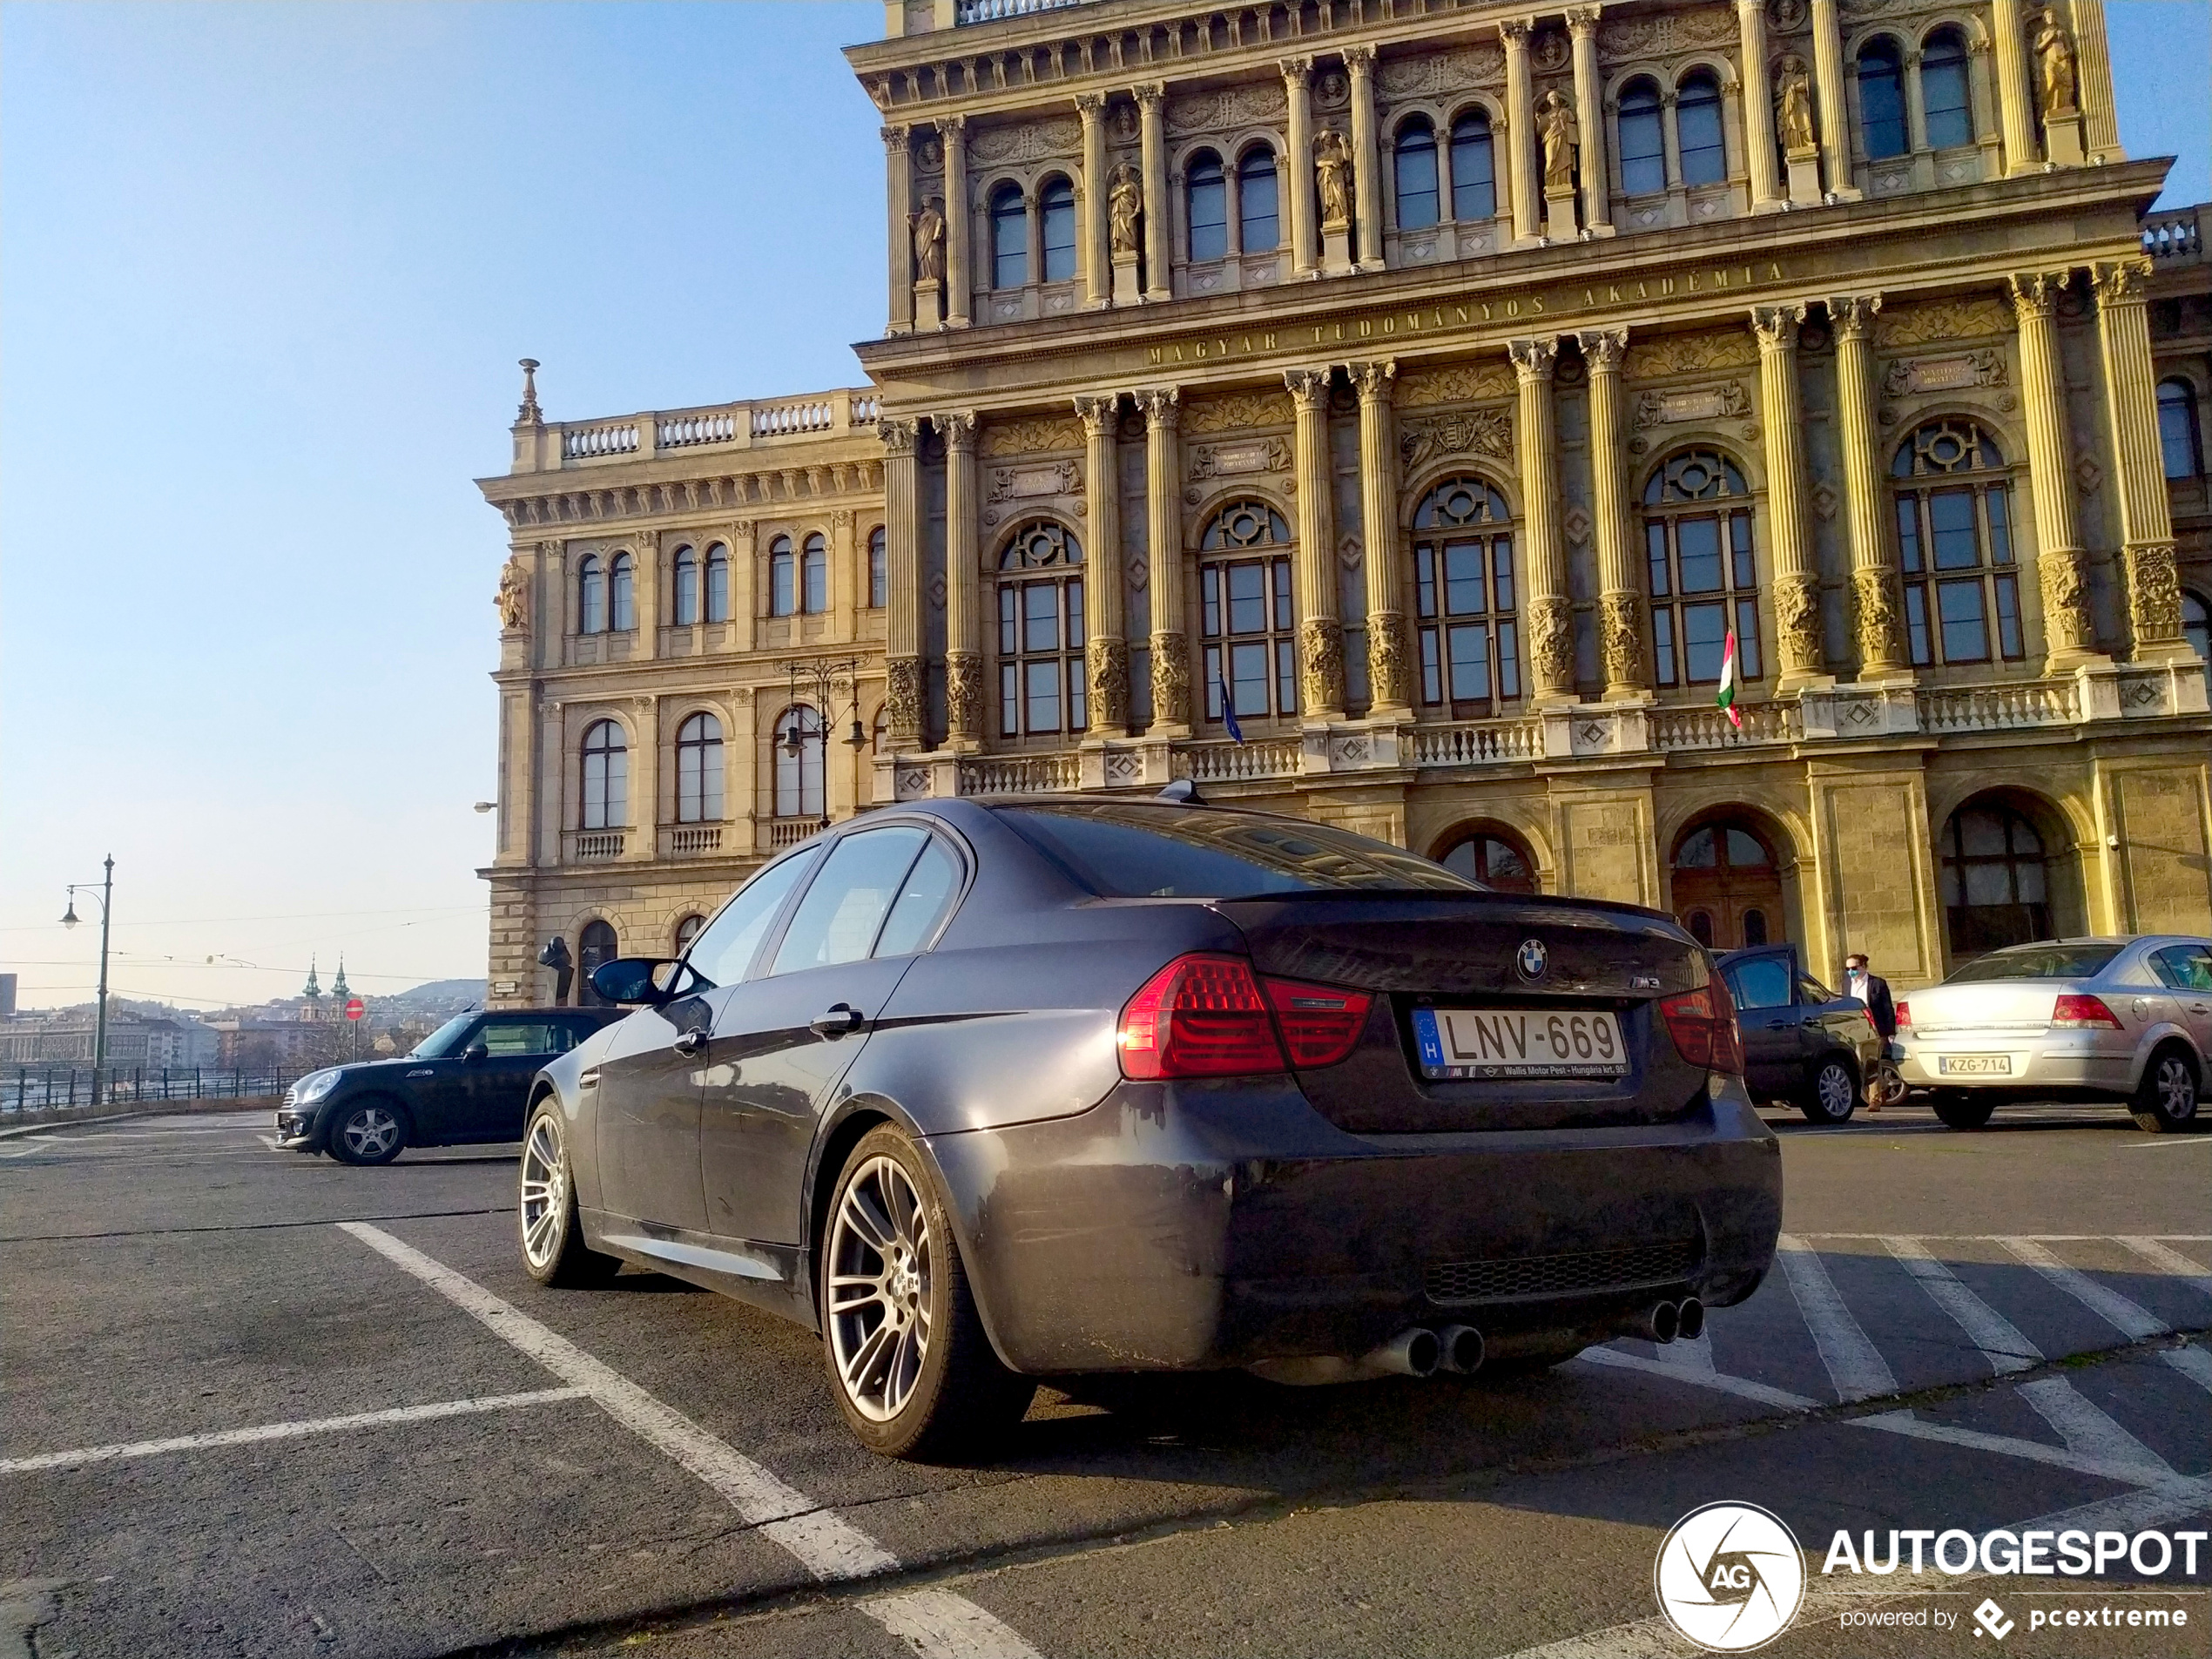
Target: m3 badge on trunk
1531	958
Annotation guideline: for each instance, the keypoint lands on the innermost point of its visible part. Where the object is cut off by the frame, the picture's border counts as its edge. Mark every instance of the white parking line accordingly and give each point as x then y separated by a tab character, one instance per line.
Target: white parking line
1741	1386
1854	1365
2109	1306
2196	1275
2088	1429
2000	1340
934	1623
2081	1463
1692	1354
2193	1363
89	1454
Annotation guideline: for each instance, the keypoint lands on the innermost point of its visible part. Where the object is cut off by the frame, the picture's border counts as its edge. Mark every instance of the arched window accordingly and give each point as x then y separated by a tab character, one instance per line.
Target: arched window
1209	194
2196	624
1041	632
1698	552
879	570
1644	144
684	589
799	753
1259	218
622	594
1247	621
1996	890
1465	598
1474	178
1009	238
1697	129
605	797
1954	534
687	930
813	594
1056	207
595	948
717	583
1418	205
2179	436
1727	885
698	771
783	578
1491	859
1881	99
1944	100
591	595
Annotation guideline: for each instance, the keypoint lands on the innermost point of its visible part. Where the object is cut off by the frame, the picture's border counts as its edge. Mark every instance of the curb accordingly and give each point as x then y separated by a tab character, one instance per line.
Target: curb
39	1121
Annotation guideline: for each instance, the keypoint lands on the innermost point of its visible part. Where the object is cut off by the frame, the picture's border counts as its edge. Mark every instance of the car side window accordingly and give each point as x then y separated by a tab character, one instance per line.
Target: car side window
2185	967
1763	982
1811	990
927	893
726	946
845	907
525	1036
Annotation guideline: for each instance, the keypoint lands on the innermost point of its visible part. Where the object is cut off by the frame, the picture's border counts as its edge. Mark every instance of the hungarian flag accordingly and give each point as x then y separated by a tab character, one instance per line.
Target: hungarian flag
1726	696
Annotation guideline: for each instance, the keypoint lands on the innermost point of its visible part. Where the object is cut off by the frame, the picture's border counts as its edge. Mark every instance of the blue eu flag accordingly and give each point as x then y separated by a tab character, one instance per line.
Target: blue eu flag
1228	713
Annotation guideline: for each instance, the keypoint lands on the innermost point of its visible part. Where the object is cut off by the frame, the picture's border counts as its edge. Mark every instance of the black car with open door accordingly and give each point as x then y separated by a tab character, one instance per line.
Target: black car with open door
1802	1041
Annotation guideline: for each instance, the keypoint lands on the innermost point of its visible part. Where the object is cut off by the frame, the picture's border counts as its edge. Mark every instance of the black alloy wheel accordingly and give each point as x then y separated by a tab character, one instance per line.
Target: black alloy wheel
368	1131
1831	1093
1963	1111
554	1252
2165	1100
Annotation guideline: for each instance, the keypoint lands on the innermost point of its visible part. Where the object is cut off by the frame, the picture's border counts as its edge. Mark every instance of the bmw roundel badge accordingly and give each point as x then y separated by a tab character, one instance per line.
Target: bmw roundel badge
1531	959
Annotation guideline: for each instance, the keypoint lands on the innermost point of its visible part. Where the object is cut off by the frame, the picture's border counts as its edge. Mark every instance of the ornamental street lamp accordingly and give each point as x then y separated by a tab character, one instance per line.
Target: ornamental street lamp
822	682
105	890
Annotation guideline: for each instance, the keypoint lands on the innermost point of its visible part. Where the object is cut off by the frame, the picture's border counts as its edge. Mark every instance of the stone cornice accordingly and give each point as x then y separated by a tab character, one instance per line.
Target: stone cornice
702	489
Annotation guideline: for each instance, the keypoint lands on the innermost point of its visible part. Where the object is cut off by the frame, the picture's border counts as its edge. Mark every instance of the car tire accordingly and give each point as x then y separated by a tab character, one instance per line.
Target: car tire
909	1362
2165	1102
1963	1111
1831	1093
373	1130
547	1226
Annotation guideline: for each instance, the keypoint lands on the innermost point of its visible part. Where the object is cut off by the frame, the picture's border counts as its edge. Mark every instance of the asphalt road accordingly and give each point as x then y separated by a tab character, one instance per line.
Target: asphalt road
231	1426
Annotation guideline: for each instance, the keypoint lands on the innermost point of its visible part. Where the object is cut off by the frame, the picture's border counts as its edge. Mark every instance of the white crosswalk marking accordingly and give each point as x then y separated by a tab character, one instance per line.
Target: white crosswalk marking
1856	1368
1693	1354
2193	1363
2088	1429
2000	1340
2107	1304
2197	1277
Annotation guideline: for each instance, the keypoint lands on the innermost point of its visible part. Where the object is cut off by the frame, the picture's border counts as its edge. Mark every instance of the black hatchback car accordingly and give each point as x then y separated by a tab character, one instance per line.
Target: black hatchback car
467	1081
1802	1041
987	1090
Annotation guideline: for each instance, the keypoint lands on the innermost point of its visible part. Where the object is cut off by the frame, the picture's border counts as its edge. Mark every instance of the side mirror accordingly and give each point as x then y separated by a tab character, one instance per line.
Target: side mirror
636	980
474	1053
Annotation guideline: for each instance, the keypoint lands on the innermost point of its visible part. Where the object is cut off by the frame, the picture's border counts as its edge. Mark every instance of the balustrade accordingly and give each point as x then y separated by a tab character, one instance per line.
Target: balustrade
593	846
690	840
1474	742
2000	708
2176	237
1042	775
609	438
790	832
1675	729
696	427
1233	762
787	419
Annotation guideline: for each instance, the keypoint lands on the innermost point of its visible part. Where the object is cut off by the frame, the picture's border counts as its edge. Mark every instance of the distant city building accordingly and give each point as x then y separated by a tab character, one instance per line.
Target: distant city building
7	996
133	1040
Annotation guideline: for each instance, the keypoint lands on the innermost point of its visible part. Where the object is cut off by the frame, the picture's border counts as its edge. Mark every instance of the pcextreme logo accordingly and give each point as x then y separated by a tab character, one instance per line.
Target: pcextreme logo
1730	1577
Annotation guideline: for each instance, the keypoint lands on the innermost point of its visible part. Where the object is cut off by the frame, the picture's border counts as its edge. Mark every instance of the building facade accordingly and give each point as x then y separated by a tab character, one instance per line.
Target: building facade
1391	411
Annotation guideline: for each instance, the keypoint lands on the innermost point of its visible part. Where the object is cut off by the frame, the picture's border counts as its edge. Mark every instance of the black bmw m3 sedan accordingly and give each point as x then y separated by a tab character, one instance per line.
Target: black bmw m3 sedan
989	1090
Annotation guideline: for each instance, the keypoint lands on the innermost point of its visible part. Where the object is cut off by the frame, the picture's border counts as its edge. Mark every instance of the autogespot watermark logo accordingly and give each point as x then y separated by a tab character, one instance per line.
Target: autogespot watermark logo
1730	1577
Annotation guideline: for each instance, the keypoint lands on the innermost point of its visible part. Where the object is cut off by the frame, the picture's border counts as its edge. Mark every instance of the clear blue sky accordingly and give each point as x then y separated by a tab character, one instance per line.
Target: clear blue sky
265	271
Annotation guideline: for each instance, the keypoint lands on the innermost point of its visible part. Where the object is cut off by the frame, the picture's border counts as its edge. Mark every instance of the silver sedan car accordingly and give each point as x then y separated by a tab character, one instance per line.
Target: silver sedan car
2126	1020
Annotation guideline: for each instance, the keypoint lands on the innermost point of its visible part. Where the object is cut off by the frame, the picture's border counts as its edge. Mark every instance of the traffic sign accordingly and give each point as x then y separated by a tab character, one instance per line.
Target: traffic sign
355	1007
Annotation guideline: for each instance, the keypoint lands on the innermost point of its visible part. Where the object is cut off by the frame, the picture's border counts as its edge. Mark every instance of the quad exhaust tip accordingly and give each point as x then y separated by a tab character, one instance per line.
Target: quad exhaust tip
1666	1321
1414	1352
1689	1318
1462	1348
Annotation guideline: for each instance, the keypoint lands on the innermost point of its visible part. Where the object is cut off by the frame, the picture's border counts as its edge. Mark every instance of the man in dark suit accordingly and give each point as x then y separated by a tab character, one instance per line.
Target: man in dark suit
1874	991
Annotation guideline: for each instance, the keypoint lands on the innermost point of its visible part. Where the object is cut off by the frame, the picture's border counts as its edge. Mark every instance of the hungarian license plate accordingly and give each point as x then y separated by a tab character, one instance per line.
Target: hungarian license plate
1974	1065
1519	1043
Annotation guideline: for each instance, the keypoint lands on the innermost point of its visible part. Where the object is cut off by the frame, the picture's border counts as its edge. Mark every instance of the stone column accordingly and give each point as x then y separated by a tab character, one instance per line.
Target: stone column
1866	502
2146	513
1828	98
1367	162
1098	270
2015	87
959	221
1758	106
1106	632
1320	626
647	596
1550	618
2093	74
963	560
2069	632
1521	130
745	583
1620	582
1389	674
1800	642
1159	214
907	693
1589	121
1164	541
1297	76
642	845
847	579
898	198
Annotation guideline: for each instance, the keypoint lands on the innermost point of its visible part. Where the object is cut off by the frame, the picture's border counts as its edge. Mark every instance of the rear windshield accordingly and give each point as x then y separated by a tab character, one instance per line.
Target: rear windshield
1135	850
2037	961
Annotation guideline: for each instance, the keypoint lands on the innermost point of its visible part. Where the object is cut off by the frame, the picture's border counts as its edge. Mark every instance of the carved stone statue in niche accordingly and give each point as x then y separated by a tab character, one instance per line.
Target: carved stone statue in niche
1555	128
1793	105
514	596
1332	173
2055	60
929	242
1125	201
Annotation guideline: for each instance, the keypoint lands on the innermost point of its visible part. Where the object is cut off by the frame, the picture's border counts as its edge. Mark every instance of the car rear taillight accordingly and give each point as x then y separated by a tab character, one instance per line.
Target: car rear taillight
1904	1016
1320	1023
1703	1025
1199	1016
2076	1013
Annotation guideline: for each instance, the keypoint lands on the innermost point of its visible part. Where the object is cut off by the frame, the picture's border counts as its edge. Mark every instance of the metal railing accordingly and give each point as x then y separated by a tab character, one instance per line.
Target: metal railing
28	1088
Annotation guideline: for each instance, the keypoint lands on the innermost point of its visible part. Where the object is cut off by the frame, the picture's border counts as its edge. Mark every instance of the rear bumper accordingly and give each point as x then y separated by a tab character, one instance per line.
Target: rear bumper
2068	1065
1182	1226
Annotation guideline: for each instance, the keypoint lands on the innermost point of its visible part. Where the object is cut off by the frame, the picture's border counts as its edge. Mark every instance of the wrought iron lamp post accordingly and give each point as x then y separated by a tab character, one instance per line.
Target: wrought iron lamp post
818	685
105	889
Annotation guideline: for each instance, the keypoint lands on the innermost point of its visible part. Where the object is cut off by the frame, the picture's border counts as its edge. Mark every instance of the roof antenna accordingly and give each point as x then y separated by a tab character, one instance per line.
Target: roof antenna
1181	792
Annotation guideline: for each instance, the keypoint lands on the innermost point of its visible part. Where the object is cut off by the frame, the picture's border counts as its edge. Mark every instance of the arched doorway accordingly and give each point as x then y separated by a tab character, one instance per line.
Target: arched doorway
595	946
1728	885
1493	856
1996	880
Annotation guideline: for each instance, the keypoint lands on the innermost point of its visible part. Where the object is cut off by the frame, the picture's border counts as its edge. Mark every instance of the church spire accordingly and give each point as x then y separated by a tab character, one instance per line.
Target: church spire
314	990
338	987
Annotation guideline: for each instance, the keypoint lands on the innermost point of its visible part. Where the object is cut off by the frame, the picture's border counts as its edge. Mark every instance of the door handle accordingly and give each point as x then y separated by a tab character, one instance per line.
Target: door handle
838	1021
689	1043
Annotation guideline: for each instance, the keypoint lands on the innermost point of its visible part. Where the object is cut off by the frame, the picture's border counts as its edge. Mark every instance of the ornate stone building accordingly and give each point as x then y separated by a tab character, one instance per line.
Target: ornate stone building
1387	410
